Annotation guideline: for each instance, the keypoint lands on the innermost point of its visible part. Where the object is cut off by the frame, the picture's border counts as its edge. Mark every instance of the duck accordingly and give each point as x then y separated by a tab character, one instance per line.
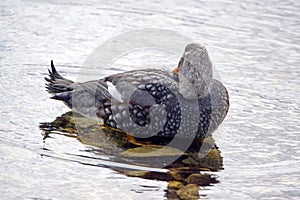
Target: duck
186	102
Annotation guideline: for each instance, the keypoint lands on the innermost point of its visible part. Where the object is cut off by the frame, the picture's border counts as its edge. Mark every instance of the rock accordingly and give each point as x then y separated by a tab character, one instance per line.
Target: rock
175	185
188	192
151	151
200	179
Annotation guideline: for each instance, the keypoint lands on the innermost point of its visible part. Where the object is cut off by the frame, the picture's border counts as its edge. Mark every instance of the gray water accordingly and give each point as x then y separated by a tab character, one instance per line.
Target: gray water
254	45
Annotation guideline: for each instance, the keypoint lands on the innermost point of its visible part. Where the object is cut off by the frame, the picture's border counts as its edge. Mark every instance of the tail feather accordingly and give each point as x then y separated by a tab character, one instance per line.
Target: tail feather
60	87
85	98
53	73
65	97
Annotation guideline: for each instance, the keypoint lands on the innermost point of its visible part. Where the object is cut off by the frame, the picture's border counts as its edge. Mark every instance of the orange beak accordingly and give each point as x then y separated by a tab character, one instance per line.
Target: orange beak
175	71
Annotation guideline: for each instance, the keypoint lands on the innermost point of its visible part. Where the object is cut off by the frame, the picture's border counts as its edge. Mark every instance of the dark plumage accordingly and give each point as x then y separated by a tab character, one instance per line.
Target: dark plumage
186	103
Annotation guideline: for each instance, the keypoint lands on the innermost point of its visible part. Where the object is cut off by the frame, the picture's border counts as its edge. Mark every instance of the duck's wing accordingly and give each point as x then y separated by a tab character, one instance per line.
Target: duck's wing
127	82
148	104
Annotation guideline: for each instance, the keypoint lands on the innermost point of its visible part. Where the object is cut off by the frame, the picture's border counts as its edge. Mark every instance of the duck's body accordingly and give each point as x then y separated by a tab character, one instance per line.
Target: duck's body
147	103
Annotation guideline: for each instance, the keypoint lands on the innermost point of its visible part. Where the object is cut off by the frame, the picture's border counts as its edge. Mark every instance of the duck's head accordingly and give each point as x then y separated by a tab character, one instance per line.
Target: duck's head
194	71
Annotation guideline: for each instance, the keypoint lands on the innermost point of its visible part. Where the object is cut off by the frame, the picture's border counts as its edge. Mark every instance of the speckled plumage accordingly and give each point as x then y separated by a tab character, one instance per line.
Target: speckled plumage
153	102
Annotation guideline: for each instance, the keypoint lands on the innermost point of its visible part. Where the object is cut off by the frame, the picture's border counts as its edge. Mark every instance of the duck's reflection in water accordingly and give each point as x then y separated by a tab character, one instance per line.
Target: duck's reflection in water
187	170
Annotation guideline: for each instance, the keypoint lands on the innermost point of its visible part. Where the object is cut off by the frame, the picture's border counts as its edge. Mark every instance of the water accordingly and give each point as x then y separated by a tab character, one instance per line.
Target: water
255	47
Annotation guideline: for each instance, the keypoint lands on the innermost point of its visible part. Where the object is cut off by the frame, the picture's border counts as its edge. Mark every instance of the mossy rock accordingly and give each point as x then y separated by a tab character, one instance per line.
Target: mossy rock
188	192
116	142
152	151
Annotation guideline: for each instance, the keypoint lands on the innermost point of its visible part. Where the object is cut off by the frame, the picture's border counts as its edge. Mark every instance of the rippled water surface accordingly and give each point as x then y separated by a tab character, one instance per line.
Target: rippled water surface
255	48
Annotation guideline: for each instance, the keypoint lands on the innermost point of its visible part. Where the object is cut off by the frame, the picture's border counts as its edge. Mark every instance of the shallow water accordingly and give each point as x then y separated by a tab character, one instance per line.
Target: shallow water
255	48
